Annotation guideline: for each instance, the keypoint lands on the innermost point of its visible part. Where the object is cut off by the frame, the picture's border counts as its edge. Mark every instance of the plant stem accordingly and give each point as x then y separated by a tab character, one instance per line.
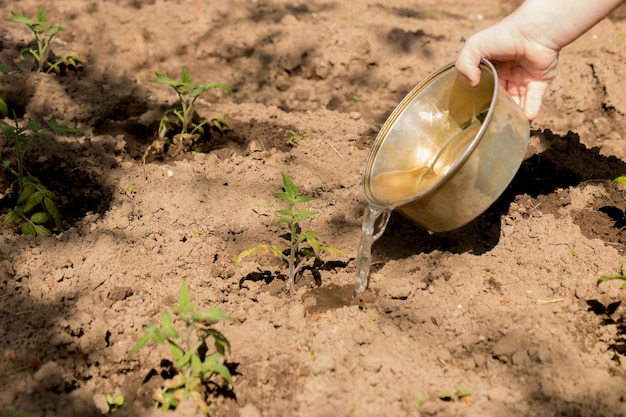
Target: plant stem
293	254
188	369
19	151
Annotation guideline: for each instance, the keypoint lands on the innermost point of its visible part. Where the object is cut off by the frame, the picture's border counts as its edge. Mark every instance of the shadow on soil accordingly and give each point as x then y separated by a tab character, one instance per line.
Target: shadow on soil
47	363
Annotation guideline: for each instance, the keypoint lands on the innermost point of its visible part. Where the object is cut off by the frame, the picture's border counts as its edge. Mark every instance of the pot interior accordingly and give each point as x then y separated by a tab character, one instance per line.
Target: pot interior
429	134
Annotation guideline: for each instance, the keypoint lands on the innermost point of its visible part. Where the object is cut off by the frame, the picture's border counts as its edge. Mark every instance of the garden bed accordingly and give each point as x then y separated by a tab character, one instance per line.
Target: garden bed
502	317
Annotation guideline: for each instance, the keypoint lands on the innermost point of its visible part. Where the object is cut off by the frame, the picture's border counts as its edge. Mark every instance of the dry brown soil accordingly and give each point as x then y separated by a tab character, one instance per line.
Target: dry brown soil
505	311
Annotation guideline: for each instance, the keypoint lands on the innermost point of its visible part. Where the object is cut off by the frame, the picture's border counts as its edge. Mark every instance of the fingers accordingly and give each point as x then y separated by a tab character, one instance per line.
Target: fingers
468	63
534	97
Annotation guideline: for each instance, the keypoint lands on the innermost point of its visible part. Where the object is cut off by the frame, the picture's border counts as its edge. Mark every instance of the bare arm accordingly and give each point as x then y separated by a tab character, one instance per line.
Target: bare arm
557	23
525	45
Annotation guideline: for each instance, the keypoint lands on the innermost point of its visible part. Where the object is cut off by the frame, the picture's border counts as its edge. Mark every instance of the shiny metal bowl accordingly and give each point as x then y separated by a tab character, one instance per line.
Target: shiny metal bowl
447	151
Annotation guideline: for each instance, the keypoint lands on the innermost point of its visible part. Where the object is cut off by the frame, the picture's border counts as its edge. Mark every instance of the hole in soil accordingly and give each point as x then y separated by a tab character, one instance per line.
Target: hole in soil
327	298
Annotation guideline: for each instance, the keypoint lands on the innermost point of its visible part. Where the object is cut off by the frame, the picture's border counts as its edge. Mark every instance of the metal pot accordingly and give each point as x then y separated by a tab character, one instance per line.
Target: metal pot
447	151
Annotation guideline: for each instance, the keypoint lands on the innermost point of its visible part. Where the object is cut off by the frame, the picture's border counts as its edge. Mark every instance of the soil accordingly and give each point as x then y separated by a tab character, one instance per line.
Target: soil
502	317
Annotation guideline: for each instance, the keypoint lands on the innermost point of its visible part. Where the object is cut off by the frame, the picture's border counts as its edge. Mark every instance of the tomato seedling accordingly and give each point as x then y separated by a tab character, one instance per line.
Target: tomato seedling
297	253
193	365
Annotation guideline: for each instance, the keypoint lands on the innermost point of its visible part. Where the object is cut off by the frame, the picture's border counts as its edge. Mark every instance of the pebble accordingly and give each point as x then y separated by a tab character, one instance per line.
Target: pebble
101	404
508	345
249	410
49	376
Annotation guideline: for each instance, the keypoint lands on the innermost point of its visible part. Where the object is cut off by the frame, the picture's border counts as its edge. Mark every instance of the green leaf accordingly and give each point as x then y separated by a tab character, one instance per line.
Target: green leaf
42	230
33	201
303	214
220	124
315	244
22	18
41	15
220	370
54	126
248	252
167	80
40	217
604	278
303	199
51	207
221	343
25	195
8	131
29	229
463	392
11	218
167	326
290	188
277	251
178	354
4	68
116	401
154	334
620	180
210	314
185	77
330	249
184	299
4	109
286	220
184	361
33	125
140	343
196	365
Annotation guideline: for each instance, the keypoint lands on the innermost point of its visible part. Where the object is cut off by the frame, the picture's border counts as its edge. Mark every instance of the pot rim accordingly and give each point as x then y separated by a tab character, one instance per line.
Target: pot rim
397	112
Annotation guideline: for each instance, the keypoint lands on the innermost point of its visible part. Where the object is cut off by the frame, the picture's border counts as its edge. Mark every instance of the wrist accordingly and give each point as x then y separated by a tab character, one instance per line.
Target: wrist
555	24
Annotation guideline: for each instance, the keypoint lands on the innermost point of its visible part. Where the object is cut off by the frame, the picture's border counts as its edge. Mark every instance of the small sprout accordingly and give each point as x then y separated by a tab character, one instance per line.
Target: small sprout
619	276
356	98
372	319
35	210
196	232
462	392
419	401
446	395
620	180
114	402
44	32
132	189
188	93
68	64
291	140
459	394
194	366
297	253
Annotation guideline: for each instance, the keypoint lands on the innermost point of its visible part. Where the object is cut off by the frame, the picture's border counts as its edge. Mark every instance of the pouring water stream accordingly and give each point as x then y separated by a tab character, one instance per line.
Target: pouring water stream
397	187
